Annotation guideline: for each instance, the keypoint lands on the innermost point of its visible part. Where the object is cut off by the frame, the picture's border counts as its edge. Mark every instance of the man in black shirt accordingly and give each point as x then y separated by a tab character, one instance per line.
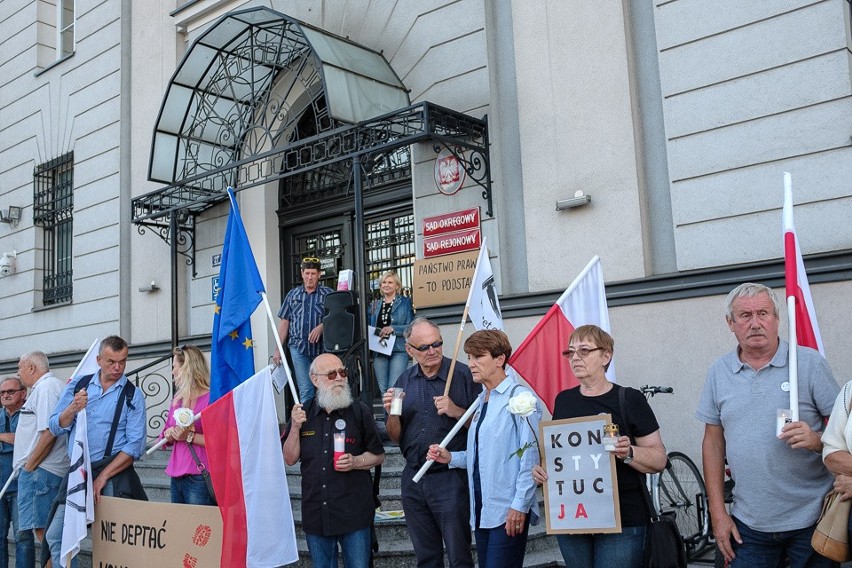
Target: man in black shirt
337	491
435	510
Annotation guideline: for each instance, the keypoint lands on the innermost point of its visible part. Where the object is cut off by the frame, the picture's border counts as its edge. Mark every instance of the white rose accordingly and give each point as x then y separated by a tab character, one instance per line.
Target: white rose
523	404
184	417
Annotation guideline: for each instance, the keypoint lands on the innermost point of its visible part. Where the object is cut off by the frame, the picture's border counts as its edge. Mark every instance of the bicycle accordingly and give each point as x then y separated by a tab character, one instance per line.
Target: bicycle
680	488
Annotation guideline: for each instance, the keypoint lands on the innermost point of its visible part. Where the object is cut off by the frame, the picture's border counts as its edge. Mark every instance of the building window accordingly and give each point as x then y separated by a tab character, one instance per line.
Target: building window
53	206
64	28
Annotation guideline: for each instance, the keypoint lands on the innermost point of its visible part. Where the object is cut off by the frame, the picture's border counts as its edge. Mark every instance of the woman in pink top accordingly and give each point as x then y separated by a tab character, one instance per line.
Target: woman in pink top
188	472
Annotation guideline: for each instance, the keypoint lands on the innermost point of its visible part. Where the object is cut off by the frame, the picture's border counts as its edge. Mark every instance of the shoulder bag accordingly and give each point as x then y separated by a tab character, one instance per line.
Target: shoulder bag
664	546
831	536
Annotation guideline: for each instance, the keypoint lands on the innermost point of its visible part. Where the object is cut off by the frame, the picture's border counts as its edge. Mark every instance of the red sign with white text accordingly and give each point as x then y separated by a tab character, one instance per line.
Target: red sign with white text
470	239
451	222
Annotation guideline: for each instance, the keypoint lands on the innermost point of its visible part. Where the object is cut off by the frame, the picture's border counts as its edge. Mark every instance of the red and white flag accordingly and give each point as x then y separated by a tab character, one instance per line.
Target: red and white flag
79	500
807	330
247	469
539	358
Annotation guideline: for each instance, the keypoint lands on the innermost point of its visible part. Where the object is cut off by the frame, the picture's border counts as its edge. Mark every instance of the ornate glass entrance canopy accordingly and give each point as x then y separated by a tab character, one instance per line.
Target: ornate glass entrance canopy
260	96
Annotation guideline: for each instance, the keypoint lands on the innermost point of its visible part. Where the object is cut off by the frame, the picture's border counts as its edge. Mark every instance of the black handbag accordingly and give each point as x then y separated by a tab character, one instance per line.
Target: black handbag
664	547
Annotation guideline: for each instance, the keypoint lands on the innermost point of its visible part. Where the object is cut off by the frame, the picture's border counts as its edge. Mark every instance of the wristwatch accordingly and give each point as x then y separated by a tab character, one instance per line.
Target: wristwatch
191	436
629	457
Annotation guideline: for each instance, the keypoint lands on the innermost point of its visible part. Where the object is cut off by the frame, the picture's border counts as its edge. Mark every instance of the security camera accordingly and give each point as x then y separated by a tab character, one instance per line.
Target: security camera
7	263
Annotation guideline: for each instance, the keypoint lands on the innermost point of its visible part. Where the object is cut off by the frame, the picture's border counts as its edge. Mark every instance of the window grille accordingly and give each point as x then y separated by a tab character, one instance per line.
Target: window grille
53	206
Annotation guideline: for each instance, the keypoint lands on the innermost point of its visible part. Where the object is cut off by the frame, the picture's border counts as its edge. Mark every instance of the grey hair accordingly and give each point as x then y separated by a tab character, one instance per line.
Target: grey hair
38	359
419	321
16	379
750	290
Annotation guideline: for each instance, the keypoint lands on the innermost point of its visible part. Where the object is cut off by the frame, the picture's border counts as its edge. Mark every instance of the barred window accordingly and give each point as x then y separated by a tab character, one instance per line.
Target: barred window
53	206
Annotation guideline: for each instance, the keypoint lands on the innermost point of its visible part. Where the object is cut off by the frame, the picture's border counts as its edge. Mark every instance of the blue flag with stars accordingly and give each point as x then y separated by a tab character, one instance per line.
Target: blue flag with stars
240	286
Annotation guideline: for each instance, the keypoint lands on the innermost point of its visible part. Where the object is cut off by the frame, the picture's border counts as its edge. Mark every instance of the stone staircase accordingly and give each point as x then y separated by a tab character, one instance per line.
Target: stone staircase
395	549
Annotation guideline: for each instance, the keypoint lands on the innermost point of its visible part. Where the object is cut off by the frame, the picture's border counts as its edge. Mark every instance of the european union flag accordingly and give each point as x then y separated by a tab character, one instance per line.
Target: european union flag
240	288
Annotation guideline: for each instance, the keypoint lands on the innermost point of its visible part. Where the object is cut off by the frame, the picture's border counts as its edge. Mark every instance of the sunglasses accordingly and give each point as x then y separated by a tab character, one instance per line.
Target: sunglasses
311	260
583	352
331	375
10	392
425	348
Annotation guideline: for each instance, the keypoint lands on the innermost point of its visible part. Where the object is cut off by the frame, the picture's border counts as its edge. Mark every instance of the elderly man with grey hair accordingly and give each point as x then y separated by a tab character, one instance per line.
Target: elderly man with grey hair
41	456
780	478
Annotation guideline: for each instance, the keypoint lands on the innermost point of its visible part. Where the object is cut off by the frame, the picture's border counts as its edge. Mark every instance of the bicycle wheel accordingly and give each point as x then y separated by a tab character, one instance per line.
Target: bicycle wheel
682	491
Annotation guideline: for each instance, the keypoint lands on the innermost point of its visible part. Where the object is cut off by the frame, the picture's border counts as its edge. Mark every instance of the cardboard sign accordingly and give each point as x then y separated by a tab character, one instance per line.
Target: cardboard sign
581	493
141	534
444	280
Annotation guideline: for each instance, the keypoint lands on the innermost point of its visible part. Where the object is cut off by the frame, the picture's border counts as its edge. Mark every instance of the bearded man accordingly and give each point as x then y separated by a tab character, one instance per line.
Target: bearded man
336	440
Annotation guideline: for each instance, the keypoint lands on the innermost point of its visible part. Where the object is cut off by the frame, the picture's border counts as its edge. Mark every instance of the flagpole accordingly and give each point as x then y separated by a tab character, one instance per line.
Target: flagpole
792	339
278	344
12	476
463	322
450	435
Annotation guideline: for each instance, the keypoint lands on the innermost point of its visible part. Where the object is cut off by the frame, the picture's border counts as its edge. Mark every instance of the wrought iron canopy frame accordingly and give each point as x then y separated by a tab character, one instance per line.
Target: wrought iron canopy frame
465	136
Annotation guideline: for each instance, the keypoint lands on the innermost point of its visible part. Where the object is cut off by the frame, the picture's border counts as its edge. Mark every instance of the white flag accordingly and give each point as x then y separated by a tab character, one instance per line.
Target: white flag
79	503
483	304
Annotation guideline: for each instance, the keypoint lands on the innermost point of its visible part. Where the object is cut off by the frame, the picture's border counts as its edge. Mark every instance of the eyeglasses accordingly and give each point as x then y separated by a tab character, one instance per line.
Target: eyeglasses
425	348
10	392
583	352
331	375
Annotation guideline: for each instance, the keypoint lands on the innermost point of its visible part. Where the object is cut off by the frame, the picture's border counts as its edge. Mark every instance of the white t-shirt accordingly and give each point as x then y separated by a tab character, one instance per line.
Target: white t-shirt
32	421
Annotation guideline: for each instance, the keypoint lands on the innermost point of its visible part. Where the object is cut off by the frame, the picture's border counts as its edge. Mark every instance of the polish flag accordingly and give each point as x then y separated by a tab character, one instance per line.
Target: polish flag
539	358
807	330
247	468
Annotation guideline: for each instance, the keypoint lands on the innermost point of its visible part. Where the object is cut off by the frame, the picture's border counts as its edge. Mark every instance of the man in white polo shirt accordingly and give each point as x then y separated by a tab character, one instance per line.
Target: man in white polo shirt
42	457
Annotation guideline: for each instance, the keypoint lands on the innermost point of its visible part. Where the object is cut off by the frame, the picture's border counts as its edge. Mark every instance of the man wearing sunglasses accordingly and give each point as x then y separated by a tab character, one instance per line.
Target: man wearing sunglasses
300	328
432	511
337	490
12	396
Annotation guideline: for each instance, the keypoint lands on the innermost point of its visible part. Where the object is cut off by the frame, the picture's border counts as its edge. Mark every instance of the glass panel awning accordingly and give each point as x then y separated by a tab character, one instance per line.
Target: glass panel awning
260	96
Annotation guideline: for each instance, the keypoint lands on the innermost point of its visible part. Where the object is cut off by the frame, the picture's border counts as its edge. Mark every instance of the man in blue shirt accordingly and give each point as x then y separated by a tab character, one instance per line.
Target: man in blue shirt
99	399
435	513
300	329
12	396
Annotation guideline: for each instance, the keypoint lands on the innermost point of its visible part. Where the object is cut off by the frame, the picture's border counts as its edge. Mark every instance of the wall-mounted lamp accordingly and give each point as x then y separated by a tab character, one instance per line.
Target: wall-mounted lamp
152	287
578	200
12	215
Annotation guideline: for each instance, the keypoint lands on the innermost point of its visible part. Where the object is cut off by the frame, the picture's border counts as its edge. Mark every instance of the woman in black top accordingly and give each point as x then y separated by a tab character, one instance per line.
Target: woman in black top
589	353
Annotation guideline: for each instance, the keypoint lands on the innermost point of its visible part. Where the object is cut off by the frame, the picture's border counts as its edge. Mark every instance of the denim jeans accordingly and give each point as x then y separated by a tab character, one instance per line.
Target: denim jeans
388	369
764	549
302	370
604	550
36	492
355	547
24	542
496	549
53	535
190	490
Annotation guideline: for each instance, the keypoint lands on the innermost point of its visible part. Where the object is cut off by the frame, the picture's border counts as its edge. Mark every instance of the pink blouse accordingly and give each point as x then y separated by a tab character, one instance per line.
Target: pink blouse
181	462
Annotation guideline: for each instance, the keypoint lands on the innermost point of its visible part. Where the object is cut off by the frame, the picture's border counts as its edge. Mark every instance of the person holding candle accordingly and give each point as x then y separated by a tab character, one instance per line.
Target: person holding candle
337	490
390	315
780	479
589	353
188	463
501	452
433	515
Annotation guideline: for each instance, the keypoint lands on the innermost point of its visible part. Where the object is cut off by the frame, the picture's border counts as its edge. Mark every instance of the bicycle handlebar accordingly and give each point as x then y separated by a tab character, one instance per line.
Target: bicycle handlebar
651	390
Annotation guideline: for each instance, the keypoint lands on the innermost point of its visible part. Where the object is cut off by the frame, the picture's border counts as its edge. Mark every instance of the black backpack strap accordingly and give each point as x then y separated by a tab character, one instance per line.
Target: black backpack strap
125	397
